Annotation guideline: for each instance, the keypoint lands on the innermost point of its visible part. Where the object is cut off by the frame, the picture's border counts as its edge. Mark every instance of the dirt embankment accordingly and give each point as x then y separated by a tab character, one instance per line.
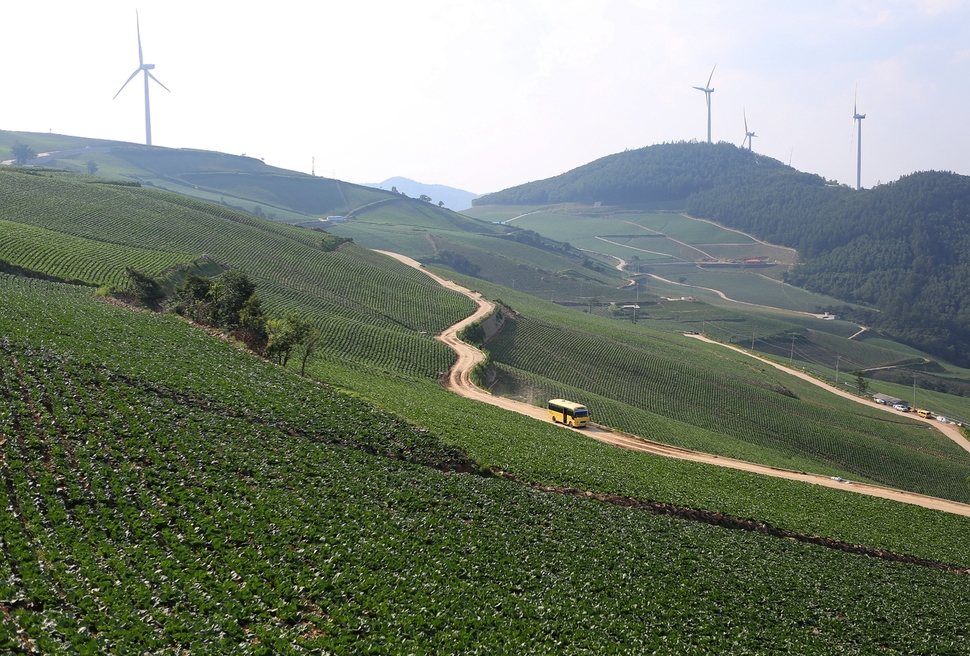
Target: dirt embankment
459	381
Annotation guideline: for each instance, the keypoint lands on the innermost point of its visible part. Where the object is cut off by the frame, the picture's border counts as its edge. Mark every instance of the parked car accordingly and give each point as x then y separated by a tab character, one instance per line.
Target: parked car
902	407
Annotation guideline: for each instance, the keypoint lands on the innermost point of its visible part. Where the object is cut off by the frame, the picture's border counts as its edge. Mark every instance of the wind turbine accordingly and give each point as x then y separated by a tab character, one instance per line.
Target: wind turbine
146	68
707	92
747	135
856	116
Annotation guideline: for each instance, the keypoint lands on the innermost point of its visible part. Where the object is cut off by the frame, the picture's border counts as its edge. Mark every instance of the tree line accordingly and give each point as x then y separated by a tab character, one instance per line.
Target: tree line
229	303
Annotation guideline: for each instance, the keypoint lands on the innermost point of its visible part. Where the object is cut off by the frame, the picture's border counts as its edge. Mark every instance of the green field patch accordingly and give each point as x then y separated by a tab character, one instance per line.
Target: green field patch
688	230
63	255
783	256
647	248
295	269
540	452
747	286
741	399
166	491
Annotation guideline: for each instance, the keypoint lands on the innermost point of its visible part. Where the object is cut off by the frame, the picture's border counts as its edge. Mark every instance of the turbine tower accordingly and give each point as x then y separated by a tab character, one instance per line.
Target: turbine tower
707	92
858	167
146	68
747	135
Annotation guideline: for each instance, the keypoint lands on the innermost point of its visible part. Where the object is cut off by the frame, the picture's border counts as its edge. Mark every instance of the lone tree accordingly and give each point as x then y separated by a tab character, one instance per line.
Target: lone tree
92	167
285	334
22	152
861	384
425	197
310	345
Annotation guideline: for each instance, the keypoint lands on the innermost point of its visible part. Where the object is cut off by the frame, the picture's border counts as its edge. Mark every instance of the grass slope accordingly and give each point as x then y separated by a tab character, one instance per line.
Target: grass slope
703	391
211	503
367	306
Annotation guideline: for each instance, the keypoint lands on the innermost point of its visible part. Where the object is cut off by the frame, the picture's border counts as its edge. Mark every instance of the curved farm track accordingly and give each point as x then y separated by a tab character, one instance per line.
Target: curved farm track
458	381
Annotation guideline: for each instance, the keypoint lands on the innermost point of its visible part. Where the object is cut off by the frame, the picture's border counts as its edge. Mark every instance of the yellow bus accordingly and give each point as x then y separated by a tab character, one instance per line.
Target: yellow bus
925	414
569	413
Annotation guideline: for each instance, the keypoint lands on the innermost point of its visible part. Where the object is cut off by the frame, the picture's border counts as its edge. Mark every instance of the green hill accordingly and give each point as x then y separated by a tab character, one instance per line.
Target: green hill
363	303
381	313
659	177
897	248
236	181
164	491
210	502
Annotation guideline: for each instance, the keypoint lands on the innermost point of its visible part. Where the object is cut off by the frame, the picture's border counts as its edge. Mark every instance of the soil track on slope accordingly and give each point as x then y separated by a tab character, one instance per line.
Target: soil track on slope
459	381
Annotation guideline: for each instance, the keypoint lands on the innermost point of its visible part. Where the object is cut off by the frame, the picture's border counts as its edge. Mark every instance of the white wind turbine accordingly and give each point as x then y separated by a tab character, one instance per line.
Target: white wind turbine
858	117
747	135
707	92
146	68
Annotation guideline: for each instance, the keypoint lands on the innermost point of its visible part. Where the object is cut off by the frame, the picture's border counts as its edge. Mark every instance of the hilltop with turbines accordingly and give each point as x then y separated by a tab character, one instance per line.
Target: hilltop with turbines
681	399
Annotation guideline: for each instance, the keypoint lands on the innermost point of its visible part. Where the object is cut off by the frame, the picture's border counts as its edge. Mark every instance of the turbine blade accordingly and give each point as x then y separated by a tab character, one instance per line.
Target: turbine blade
132	77
745	114
141	59
710	78
157	80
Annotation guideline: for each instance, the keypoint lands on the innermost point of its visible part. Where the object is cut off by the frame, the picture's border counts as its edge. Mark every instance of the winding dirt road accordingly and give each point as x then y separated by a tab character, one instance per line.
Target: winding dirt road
460	383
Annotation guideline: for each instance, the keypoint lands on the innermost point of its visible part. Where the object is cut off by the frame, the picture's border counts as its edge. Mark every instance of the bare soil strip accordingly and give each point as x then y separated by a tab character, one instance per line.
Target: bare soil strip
459	382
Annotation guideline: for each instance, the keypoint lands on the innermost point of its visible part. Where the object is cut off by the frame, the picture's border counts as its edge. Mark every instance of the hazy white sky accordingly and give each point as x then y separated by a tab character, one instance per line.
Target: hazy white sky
485	95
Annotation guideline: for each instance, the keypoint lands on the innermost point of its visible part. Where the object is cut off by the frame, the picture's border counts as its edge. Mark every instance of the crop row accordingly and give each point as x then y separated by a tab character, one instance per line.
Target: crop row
60	255
206	503
291	273
761	411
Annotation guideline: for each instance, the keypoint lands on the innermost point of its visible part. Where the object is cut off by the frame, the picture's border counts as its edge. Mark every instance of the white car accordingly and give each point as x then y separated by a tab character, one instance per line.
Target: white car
901	407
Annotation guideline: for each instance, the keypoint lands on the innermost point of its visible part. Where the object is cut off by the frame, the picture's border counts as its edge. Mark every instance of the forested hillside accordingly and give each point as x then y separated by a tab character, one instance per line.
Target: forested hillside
656	174
901	248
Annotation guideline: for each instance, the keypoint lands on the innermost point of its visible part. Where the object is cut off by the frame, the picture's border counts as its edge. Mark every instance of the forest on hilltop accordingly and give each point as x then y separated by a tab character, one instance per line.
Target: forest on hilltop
901	248
655	174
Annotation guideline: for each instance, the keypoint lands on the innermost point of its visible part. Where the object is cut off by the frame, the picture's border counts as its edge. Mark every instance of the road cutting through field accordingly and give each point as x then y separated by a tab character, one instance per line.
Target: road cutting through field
459	382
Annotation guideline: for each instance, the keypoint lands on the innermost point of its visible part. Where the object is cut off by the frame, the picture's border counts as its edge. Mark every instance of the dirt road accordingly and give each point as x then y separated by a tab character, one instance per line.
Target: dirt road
949	430
468	356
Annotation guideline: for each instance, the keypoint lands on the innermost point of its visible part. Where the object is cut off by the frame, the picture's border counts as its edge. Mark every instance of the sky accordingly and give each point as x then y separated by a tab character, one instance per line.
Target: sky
484	95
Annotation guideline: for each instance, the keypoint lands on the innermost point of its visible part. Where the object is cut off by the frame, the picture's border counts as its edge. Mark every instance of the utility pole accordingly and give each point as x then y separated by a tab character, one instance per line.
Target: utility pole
914	392
791	357
838	359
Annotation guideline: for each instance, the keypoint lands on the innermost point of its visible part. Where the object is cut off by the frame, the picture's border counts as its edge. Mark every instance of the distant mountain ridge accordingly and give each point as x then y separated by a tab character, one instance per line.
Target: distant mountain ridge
454	199
900	248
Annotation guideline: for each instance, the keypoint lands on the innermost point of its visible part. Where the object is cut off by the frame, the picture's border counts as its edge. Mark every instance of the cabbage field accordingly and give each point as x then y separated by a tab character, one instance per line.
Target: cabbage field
162	491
